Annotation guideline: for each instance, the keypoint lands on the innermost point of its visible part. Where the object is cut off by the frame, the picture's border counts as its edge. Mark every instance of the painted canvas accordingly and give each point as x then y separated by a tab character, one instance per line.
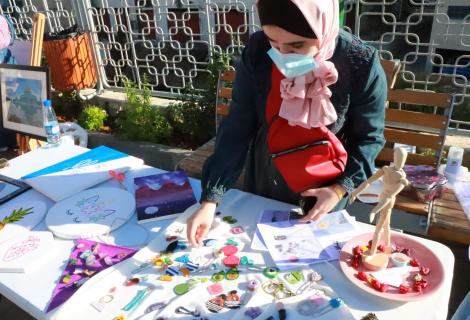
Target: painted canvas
162	196
22	90
26	252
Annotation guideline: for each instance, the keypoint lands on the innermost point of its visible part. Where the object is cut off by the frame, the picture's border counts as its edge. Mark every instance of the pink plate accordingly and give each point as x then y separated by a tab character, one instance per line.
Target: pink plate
418	251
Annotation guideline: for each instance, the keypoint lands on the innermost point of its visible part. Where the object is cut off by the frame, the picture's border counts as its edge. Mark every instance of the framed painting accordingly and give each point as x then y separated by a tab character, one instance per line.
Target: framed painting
22	92
10	188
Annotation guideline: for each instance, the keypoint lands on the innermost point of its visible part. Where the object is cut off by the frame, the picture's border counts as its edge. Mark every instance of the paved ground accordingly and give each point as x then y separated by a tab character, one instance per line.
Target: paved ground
460	283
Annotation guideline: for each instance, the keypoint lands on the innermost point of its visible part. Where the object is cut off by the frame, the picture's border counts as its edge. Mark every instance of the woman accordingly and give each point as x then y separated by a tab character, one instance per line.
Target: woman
344	89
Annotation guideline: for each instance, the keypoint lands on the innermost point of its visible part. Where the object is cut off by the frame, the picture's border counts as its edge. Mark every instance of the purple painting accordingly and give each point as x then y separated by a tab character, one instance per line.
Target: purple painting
161	196
87	259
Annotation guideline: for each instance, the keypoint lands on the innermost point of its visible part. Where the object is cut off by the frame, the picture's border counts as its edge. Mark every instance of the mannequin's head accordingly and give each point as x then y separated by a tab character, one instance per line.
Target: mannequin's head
399	157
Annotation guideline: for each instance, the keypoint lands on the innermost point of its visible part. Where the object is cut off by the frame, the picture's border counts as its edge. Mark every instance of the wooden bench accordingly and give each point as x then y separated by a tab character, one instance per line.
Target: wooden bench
425	131
447	220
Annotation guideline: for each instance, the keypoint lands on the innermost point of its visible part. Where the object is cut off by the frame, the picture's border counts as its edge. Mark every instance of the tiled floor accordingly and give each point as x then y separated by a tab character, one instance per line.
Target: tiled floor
460	283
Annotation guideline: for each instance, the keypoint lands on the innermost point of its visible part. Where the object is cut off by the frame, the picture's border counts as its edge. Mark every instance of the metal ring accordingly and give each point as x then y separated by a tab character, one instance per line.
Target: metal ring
270	287
106	299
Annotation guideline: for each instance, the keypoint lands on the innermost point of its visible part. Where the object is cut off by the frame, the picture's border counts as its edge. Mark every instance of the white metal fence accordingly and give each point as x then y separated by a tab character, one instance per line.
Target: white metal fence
172	41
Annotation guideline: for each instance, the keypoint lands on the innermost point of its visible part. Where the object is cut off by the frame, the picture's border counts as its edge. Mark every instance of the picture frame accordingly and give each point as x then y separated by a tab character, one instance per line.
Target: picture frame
10	188
22	92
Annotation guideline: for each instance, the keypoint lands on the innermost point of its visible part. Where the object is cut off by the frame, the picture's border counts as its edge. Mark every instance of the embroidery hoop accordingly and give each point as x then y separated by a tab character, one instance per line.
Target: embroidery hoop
110	207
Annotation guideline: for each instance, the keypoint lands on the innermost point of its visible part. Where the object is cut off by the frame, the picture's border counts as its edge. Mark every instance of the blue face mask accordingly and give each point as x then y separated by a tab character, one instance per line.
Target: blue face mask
292	64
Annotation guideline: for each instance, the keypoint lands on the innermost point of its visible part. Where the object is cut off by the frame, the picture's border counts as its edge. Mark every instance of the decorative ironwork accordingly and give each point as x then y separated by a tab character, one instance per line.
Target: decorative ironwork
173	41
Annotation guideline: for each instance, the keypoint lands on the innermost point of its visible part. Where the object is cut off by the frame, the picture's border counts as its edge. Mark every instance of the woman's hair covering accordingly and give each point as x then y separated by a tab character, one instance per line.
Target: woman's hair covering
284	14
306	99
7	32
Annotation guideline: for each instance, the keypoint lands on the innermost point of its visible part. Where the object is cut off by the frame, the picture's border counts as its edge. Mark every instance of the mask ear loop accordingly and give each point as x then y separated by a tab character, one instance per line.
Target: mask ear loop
107	236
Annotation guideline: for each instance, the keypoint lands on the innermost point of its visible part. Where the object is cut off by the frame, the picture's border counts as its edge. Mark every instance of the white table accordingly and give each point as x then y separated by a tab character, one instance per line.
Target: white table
32	292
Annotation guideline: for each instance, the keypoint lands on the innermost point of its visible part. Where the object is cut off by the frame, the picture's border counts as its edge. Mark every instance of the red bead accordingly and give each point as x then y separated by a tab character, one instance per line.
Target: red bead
404	289
357	251
406	251
417	287
414	263
424	283
384	287
424	271
376	284
362	276
355	264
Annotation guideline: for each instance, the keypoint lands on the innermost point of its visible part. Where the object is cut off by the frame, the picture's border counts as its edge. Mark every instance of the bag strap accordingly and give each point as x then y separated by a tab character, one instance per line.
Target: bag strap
274	100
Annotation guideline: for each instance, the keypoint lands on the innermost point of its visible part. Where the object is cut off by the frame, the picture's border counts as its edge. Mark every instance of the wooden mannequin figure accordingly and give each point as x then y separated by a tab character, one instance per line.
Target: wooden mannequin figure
394	180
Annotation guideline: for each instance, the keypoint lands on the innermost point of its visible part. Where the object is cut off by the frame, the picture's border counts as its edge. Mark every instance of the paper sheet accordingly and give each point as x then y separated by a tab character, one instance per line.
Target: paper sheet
269	216
291	245
335	227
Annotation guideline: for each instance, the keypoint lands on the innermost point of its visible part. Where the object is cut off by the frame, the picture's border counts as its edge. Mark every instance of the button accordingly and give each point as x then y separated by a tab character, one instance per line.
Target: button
229	250
232	274
271	272
181	289
231	261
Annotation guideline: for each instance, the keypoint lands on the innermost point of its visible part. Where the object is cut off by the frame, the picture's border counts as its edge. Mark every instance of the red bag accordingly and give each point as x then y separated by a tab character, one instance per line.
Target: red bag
306	158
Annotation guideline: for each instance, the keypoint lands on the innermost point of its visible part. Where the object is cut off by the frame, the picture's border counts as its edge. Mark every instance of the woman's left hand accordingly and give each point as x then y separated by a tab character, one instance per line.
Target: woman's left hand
327	199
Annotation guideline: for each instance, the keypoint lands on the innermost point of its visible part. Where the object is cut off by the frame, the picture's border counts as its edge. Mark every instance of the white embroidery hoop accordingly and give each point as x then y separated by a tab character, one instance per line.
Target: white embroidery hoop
90	213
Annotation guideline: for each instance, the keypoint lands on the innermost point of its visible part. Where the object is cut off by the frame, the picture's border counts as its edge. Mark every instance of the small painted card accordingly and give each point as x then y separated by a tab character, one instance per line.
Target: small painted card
162	196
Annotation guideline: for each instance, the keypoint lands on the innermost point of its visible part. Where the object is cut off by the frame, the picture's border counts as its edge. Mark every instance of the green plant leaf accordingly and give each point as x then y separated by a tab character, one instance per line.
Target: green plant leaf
16	215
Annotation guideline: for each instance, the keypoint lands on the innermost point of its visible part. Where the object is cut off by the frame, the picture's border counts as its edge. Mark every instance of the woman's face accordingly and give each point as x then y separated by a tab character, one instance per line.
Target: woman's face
287	42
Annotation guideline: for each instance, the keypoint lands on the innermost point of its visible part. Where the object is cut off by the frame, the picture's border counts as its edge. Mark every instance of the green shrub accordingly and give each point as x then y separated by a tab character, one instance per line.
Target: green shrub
67	105
193	119
140	120
92	118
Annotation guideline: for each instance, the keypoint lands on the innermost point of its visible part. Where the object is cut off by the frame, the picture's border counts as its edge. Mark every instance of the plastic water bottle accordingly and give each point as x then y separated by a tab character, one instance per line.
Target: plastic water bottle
454	162
333	304
51	125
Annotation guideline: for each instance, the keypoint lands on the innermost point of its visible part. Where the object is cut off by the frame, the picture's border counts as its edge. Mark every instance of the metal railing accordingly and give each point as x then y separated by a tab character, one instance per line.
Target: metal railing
173	41
58	12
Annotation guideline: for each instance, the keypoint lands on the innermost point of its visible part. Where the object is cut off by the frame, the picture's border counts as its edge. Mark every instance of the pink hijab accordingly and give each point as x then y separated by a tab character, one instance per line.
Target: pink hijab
5	36
306	99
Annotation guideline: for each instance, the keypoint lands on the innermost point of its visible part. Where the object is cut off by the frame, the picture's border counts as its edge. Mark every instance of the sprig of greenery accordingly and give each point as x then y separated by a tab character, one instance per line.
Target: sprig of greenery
16	215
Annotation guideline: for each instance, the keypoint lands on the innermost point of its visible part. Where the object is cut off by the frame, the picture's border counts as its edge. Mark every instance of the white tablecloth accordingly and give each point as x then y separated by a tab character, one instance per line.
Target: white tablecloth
32	291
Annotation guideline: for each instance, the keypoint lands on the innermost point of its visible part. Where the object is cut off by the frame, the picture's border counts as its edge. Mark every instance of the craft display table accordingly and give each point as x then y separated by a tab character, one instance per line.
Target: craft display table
32	291
448	221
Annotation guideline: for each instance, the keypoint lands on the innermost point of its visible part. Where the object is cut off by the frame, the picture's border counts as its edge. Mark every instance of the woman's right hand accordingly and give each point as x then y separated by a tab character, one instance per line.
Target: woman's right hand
199	224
